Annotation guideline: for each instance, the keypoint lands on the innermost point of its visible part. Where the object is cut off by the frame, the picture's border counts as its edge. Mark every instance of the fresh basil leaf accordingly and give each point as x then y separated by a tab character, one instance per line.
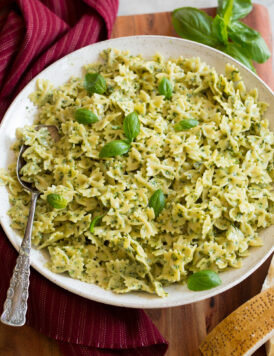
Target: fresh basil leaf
225	9
250	40
165	88
131	126
195	25
203	280
85	116
157	202
114	148
95	83
95	222
240	8
185	124
239	53
56	201
220	29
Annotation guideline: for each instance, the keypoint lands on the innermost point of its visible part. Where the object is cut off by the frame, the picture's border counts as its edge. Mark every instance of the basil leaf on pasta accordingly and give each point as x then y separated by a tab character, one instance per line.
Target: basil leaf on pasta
157	202
114	148
131	126
203	280
186	124
85	116
165	88
95	222
56	201
95	83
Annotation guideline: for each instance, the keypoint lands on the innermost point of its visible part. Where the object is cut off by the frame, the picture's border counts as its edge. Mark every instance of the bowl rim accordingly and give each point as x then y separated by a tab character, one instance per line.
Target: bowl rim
159	302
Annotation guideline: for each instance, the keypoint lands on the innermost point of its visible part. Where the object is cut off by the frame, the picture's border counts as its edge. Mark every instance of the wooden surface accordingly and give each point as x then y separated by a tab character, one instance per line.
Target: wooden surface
184	327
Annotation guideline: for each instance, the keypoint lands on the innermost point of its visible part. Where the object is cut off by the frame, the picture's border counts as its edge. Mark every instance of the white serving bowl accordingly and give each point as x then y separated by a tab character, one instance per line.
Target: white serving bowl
22	112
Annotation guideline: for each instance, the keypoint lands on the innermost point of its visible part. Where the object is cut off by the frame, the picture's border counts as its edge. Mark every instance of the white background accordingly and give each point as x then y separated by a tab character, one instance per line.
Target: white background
130	7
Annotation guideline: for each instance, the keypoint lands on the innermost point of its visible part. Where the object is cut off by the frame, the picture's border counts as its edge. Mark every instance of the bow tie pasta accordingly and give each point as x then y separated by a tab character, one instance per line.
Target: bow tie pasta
197	137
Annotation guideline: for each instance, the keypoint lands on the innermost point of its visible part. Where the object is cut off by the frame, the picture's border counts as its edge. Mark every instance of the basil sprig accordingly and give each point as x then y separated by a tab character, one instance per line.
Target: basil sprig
131	126
203	280
165	88
95	83
85	116
186	124
114	148
120	147
157	202
95	222
56	201
224	32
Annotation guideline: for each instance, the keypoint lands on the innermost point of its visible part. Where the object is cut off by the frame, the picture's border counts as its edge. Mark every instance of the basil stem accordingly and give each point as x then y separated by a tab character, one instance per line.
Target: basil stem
85	116
157	202
95	221
186	124
220	29
131	126
165	88
225	9
56	201
114	148
95	83
203	280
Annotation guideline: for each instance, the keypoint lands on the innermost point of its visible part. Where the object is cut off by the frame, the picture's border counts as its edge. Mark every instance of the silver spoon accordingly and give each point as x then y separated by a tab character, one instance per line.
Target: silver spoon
15	307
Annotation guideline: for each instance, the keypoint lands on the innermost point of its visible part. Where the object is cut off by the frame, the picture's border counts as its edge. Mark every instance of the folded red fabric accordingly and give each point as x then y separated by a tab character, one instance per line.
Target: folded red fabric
33	34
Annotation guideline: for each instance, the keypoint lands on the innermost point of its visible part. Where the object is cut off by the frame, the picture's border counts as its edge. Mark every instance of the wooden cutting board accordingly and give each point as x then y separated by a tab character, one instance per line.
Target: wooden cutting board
184	327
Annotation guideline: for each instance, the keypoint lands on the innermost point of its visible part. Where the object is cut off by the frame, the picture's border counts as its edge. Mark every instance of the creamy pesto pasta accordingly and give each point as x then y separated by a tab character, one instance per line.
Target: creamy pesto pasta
214	173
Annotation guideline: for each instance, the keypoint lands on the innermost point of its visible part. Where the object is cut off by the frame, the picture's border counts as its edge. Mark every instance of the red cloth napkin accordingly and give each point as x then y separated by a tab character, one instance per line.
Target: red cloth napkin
33	34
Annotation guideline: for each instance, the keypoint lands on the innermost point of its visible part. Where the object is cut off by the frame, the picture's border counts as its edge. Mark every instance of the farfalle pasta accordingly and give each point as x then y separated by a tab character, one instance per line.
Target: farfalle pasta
216	176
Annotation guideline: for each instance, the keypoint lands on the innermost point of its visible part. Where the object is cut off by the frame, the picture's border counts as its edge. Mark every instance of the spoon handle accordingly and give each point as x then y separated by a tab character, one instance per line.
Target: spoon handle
15	306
